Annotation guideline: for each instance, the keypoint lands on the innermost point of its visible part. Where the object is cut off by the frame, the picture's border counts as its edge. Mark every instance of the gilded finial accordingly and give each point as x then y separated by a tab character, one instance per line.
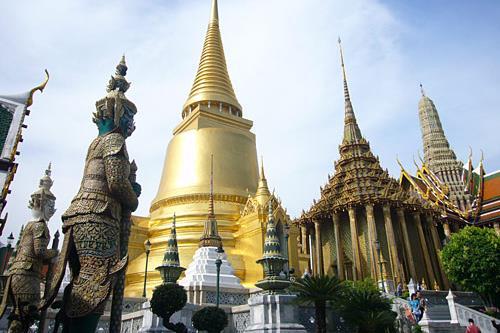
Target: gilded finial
210	235
48	171
214	13
399	163
40	87
420	158
346	90
415	162
262	175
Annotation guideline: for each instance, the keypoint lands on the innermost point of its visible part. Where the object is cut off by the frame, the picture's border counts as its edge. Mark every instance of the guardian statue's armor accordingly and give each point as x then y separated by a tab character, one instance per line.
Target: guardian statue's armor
92	222
24	273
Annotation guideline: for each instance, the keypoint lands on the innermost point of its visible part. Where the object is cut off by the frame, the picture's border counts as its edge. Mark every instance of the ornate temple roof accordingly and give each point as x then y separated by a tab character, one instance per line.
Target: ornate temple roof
212	83
483	188
358	178
13	109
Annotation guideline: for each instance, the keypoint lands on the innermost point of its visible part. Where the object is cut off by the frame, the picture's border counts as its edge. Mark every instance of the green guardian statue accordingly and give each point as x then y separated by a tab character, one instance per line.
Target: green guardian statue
92	223
24	273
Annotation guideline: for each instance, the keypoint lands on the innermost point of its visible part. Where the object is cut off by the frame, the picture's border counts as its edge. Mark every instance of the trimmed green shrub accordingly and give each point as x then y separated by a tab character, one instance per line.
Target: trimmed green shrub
211	319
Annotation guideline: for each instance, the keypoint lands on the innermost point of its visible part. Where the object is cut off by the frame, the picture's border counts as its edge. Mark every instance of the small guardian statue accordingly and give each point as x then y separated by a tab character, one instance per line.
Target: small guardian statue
92	223
24	273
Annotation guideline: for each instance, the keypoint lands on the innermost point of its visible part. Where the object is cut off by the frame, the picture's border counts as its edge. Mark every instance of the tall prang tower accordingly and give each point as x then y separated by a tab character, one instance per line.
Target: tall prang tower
438	156
211	123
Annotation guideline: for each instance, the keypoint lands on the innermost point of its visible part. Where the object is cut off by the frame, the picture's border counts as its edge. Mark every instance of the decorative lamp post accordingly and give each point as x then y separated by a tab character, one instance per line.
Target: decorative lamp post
147	246
377	246
286	232
10	240
272	260
218	263
170	269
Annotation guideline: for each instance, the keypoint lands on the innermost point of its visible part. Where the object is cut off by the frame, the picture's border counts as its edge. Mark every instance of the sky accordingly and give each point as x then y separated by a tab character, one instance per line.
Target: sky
284	64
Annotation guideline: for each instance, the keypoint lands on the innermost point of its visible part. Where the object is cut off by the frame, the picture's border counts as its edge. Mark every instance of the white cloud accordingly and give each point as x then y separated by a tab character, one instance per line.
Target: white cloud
283	61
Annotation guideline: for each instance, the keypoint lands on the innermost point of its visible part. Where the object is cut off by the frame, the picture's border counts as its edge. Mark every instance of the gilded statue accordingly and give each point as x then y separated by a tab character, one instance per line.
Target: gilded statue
92	223
24	274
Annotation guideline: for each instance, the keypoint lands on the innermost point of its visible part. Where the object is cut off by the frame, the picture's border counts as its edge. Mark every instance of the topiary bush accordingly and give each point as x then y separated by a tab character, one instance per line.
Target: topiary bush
168	299
211	319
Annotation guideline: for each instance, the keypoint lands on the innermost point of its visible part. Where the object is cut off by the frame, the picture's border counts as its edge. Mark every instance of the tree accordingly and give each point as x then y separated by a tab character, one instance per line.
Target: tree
365	309
471	259
317	290
211	319
168	299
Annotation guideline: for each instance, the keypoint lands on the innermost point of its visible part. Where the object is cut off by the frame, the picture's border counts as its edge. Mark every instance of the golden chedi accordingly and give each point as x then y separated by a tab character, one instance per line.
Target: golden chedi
212	124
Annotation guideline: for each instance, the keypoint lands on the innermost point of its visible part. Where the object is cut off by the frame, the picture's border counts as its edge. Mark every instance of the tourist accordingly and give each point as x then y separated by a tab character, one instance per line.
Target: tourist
472	328
399	290
415	307
422	304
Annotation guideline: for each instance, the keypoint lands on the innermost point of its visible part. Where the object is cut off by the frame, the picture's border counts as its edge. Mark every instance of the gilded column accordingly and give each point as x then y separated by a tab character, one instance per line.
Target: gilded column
393	249
372	237
303	238
338	246
437	247
423	245
319	249
356	258
407	245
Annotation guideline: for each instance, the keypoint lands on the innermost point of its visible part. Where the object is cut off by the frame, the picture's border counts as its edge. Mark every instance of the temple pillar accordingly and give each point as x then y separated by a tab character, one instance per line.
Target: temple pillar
303	238
423	246
319	250
312	255
356	257
447	230
338	246
392	245
497	228
406	240
372	237
437	248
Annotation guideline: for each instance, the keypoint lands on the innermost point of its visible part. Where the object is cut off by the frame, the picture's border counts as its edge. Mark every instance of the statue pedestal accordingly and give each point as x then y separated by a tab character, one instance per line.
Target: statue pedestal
201	280
274	313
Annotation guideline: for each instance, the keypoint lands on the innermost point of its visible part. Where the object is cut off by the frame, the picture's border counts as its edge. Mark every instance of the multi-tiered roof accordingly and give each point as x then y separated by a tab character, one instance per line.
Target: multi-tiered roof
358	178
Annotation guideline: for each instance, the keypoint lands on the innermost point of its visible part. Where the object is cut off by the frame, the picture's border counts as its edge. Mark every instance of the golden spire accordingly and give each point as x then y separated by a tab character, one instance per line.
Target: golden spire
262	189
212	85
210	235
352	134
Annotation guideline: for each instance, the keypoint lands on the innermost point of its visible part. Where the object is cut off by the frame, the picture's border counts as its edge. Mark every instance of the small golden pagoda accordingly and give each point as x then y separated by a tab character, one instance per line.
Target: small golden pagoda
365	225
212	124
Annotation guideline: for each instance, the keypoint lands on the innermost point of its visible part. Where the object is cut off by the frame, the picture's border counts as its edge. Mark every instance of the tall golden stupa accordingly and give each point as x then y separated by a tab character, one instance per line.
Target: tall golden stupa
212	124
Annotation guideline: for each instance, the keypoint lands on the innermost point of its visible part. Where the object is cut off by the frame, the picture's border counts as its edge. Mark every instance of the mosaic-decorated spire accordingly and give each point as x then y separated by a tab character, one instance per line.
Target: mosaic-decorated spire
171	256
170	268
438	156
272	246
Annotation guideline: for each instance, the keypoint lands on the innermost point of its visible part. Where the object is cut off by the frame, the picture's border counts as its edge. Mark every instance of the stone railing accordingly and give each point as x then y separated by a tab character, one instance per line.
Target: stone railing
482	320
132	322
